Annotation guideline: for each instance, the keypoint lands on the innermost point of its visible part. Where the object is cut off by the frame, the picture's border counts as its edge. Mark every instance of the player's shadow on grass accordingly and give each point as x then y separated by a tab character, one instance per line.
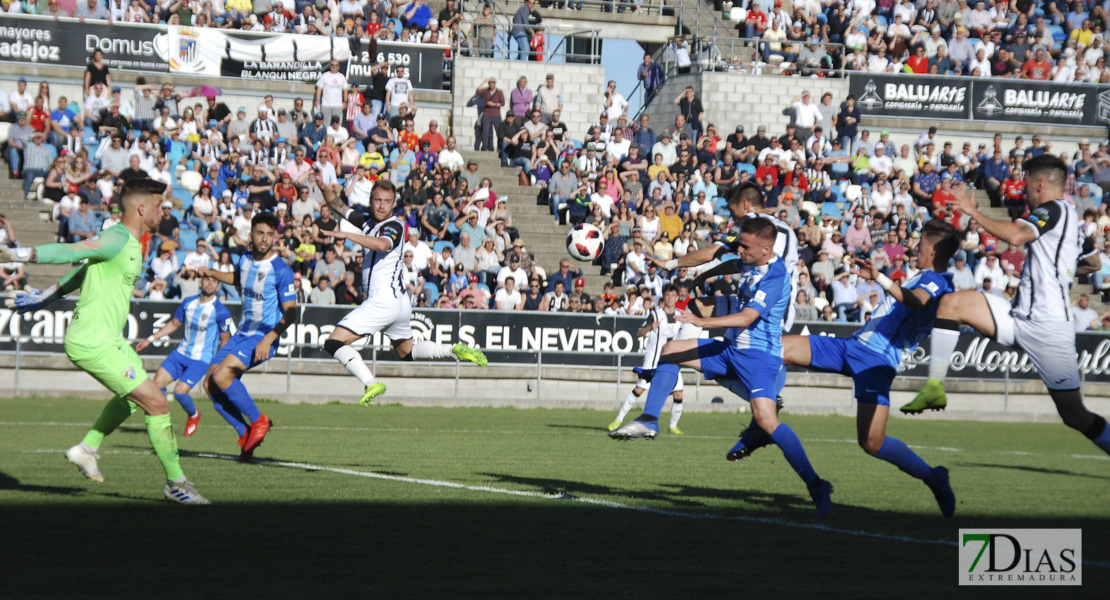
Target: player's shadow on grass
1031	470
682	496
7	482
284	463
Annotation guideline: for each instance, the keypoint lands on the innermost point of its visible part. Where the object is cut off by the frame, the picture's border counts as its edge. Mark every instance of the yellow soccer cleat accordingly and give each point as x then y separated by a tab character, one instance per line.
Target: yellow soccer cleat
676	431
372	392
469	354
615	424
931	397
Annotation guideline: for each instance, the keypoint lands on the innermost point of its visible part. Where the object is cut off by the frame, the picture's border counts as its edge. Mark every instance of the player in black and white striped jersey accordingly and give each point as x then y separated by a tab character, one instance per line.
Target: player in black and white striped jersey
1039	321
387	308
660	327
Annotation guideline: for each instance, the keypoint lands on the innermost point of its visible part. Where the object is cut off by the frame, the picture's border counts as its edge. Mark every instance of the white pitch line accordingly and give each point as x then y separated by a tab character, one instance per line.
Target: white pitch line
543	496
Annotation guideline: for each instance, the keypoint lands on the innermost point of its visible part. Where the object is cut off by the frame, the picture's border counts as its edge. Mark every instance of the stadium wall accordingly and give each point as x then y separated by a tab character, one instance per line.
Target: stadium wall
431	384
583	87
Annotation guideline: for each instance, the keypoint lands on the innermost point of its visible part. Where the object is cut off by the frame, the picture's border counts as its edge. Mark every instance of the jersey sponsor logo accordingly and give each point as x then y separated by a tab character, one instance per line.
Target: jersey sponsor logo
252	294
759	297
931	287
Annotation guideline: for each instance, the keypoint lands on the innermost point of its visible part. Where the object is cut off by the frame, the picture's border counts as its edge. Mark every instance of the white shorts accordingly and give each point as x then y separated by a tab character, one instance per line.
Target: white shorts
678	387
1050	345
689	331
389	316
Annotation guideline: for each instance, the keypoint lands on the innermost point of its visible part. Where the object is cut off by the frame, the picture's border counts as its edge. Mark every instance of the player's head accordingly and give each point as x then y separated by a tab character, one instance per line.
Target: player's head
745	199
757	241
141	199
264	227
939	243
670	295
383	198
208	286
1044	179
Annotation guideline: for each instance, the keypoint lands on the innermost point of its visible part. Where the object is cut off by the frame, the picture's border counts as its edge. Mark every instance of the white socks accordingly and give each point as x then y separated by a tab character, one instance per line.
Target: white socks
626	406
942	346
676	413
352	360
426	350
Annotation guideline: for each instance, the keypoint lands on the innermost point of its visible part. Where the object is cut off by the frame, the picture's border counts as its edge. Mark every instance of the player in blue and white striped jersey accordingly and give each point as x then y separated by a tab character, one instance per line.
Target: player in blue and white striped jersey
269	295
207	327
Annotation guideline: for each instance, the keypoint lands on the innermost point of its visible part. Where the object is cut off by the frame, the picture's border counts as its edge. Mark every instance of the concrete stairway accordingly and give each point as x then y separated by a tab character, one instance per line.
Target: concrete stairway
28	220
541	235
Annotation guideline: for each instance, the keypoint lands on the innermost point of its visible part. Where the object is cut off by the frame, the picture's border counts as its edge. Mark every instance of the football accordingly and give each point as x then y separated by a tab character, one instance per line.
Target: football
584	242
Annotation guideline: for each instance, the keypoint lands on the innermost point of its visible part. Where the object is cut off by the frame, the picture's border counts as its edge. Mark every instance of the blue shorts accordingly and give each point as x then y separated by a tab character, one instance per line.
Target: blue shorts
756	370
184	369
869	371
242	347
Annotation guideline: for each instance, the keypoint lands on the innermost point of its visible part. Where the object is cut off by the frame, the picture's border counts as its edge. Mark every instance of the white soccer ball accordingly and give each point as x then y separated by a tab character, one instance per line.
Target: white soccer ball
584	242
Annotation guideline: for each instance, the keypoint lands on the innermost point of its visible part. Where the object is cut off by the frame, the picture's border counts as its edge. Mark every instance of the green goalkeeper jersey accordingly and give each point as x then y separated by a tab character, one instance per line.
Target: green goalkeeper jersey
115	261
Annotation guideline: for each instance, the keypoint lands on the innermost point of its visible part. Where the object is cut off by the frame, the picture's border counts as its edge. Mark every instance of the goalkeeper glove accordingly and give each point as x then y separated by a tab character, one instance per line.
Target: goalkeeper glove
30	299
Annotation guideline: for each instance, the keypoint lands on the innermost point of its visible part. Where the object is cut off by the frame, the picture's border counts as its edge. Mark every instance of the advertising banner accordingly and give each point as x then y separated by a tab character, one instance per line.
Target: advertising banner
516	337
981	99
70	43
209	52
914	97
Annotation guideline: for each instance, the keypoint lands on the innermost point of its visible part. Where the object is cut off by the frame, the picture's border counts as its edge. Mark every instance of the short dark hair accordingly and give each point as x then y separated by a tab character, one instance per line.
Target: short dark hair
142	186
1046	166
945	238
748	191
761	228
265	218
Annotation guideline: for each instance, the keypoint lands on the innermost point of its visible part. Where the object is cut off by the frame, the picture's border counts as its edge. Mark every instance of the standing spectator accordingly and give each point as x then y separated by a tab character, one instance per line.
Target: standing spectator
329	92
492	99
398	91
549	99
651	74
690	107
521	99
806	115
522	29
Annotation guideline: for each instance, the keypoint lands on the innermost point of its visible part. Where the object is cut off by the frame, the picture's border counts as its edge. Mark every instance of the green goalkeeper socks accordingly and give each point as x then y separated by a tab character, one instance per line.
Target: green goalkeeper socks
160	431
114	414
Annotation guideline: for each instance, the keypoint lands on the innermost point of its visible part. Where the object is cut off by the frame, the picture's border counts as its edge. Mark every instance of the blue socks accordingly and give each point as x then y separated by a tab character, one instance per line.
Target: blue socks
229	412
186	402
897	453
666	376
1100	438
791	447
239	396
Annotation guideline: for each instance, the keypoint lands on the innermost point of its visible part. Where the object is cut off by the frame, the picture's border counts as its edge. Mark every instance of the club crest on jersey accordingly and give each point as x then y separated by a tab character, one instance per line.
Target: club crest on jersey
261	276
129	373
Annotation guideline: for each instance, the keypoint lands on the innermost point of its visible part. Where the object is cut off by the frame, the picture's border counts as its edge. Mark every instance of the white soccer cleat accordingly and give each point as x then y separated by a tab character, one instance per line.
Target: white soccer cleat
85	458
636	429
183	493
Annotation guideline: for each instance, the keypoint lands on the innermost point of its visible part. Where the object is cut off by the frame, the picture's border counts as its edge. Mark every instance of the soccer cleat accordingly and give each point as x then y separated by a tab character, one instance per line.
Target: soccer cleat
676	431
191	424
257	433
744	449
372	392
614	424
821	492
942	491
183	493
244	456
636	429
469	354
931	397
85	459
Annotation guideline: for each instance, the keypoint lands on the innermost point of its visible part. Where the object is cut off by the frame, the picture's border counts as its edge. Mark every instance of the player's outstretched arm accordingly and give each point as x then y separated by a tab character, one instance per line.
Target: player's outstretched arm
692	259
377	244
913	299
165	331
221	276
740	320
1015	233
104	247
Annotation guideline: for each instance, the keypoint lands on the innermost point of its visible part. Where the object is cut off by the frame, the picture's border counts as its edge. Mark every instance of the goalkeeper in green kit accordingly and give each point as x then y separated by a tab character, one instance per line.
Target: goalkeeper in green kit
94	341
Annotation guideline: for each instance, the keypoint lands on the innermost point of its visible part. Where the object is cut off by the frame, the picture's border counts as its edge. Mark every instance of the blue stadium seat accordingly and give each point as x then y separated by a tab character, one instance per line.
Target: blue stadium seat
188	239
440	245
432	291
186	199
745	167
1096	191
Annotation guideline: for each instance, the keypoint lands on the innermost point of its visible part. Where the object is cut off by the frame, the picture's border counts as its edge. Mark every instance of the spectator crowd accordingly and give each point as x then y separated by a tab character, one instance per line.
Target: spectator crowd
1053	40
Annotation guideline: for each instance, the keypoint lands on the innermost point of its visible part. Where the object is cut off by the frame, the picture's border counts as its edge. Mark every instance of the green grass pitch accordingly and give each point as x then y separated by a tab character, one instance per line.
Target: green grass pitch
396	502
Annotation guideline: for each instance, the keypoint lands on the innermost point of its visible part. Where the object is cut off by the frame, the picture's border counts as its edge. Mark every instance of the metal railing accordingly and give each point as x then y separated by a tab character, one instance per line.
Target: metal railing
647	7
692	14
505	46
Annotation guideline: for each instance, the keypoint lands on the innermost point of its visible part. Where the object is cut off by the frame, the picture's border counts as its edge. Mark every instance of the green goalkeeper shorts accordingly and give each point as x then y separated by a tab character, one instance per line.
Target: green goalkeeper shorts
115	365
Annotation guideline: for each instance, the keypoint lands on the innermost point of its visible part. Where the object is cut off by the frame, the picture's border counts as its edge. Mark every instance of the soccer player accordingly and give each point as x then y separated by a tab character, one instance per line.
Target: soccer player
207	328
269	308
872	355
754	358
1039	321
93	341
660	327
388	307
